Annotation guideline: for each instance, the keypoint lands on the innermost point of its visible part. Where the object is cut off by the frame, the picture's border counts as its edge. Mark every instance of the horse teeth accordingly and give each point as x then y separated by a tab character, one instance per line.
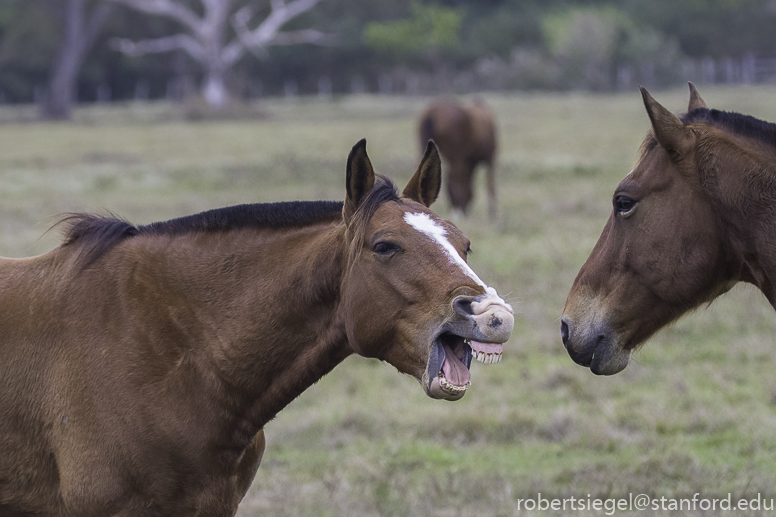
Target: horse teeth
452	387
491	358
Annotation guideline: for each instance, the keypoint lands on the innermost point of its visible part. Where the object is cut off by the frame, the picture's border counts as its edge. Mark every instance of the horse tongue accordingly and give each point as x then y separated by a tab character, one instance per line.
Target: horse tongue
454	370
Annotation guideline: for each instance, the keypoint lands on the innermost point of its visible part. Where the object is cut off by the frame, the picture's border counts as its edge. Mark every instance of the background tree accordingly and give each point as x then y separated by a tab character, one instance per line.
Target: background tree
80	27
209	41
432	45
429	32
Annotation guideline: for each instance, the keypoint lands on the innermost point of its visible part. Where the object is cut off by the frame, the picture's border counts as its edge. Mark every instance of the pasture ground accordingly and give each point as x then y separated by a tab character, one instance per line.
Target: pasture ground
695	412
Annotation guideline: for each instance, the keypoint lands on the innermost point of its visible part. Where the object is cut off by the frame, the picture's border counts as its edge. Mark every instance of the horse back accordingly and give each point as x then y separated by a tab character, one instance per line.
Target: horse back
448	124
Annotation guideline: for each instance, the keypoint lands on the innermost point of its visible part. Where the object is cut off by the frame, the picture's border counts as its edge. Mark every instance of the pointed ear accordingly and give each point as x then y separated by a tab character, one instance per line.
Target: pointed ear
669	131
695	99
360	178
424	185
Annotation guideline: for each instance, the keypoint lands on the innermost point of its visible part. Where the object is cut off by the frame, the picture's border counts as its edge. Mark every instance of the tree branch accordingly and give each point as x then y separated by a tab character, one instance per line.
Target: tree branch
232	52
303	36
152	46
268	31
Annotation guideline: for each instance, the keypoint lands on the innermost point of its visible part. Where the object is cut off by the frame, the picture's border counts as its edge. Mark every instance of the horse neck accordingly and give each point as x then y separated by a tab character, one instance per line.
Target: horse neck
263	305
743	195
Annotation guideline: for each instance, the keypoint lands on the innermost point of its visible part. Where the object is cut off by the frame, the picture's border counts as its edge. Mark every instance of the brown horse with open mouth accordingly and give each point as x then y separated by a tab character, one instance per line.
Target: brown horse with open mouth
696	216
139	365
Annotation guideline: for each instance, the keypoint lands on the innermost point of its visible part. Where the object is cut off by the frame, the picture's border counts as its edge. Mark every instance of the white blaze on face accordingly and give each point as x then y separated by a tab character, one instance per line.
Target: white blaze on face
427	226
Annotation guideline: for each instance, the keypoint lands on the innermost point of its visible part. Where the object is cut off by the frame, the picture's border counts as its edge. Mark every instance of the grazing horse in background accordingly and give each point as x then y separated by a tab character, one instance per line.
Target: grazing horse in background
466	136
139	365
696	216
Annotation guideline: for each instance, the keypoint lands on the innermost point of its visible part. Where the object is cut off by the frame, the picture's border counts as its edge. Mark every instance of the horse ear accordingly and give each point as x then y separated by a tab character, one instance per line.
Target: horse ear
424	185
695	99
667	128
359	179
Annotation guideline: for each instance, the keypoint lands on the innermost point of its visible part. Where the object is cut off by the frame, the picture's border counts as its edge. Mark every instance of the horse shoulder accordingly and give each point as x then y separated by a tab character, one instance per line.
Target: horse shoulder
40	372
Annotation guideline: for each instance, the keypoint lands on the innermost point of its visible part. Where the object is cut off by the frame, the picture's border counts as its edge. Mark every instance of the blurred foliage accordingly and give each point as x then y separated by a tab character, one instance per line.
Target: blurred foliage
555	44
589	42
430	30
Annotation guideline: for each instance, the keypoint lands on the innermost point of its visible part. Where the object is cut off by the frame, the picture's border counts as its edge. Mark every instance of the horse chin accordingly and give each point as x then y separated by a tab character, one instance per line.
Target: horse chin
440	388
608	360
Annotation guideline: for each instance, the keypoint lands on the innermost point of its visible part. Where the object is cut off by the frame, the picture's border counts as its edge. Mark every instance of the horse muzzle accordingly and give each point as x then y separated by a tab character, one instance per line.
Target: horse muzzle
594	346
480	326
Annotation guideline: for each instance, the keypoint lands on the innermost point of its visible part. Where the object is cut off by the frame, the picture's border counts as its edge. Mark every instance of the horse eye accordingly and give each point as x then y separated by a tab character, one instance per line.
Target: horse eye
385	248
624	204
468	249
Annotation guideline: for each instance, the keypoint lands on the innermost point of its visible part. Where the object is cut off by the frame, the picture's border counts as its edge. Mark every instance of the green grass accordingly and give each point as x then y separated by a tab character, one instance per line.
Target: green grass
694	412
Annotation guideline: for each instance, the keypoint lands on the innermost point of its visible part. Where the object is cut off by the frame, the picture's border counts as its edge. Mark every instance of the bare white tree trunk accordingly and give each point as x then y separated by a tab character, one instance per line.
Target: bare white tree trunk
79	32
206	42
214	89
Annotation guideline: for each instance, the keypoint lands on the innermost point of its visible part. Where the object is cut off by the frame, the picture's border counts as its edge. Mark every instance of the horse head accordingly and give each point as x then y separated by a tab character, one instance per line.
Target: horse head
408	294
661	252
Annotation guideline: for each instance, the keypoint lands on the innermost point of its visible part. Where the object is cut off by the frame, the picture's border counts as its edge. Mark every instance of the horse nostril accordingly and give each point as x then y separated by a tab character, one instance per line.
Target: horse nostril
463	305
564	333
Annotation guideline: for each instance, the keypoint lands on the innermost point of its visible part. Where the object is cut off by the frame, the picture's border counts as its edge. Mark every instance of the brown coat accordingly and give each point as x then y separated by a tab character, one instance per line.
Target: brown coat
693	218
139	365
466	137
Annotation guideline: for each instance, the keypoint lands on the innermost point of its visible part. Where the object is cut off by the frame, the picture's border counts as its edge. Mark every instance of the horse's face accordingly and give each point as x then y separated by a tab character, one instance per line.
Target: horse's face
657	257
408	294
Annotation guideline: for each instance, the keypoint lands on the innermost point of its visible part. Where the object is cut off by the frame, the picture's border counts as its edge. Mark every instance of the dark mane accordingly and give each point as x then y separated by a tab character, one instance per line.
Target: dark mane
98	234
732	122
736	123
383	190
288	214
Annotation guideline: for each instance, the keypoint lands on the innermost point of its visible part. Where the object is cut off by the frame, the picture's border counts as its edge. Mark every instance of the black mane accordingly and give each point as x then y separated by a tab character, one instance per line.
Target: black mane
736	123
288	214
98	233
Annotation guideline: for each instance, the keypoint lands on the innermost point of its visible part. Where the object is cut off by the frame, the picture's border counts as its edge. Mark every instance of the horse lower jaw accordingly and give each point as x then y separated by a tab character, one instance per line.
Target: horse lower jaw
609	361
440	388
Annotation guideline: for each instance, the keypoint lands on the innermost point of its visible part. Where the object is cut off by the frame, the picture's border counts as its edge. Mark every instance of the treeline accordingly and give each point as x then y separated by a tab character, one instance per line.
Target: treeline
388	46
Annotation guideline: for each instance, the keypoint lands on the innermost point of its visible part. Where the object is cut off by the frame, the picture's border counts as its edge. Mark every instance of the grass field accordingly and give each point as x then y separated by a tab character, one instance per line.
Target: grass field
694	412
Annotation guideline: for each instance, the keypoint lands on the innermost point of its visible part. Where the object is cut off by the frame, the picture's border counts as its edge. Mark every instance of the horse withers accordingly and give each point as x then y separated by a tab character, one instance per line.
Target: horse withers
466	136
693	218
139	365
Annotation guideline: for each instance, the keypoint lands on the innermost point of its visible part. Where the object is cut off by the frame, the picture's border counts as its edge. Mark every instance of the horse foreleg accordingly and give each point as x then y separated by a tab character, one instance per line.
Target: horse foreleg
224	496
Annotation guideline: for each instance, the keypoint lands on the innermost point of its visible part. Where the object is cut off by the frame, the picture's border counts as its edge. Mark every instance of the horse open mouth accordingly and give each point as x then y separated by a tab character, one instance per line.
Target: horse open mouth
449	363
